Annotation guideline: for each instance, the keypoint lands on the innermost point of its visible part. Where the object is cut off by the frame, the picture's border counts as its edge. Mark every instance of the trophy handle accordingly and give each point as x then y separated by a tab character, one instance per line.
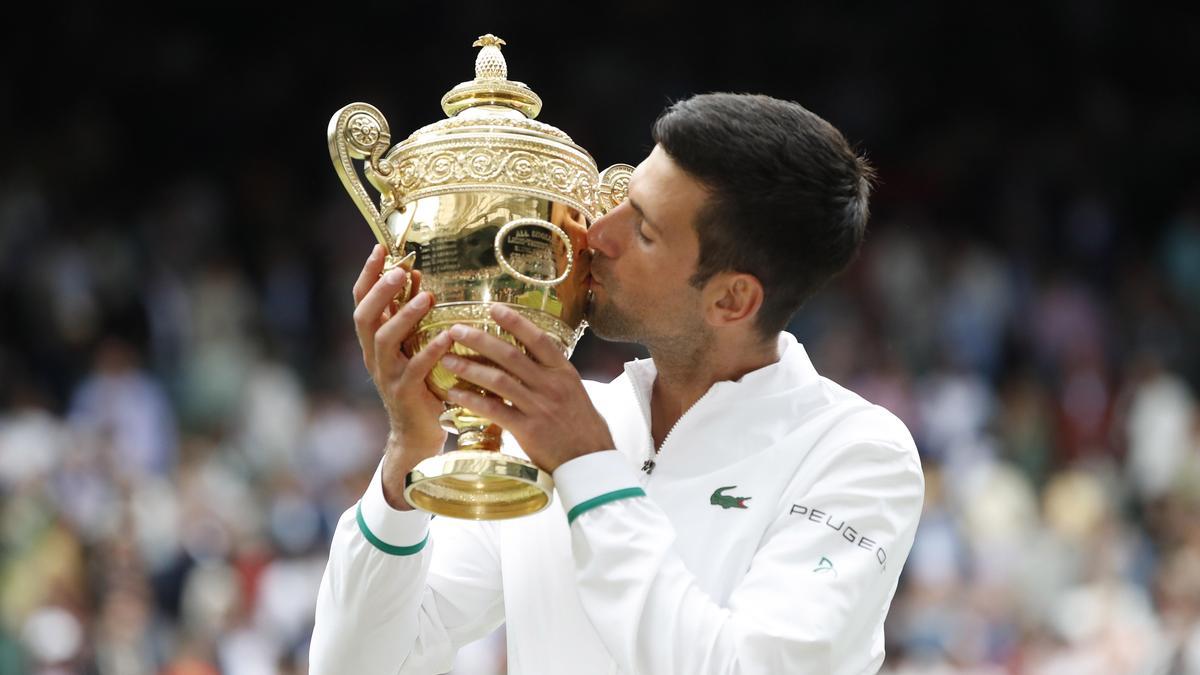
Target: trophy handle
359	131
613	188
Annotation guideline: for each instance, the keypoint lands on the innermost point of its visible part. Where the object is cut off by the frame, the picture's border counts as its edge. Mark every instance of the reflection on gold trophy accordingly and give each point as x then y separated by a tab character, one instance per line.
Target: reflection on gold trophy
492	207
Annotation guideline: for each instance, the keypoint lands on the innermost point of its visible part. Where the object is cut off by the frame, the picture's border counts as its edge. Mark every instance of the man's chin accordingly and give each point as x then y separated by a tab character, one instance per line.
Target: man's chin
605	325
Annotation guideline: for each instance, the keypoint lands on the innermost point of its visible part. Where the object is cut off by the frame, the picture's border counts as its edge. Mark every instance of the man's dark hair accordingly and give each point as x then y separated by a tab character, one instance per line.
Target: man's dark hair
787	195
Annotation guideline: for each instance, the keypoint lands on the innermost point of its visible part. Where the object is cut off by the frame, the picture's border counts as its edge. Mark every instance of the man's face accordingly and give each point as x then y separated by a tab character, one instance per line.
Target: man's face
646	249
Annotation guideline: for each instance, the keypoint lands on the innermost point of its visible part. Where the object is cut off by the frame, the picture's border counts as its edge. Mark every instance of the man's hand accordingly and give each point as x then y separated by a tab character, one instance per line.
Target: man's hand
412	409
551	415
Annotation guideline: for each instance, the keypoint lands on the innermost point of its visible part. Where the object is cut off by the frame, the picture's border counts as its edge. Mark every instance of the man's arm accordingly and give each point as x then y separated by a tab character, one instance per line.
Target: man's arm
387	606
790	614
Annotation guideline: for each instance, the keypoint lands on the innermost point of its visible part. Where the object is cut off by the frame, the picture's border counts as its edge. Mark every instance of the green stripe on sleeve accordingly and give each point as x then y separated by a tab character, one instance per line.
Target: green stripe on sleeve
583	507
381	544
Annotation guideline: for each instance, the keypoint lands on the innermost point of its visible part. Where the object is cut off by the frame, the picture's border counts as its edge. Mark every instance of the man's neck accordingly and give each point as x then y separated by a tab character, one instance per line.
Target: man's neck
684	376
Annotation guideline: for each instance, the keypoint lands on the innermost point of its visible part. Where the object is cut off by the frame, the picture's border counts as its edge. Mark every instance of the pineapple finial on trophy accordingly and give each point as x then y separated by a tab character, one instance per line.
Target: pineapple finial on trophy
491	87
489	63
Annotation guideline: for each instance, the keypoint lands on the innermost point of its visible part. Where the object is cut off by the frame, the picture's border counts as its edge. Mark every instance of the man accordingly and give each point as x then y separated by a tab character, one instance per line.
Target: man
721	508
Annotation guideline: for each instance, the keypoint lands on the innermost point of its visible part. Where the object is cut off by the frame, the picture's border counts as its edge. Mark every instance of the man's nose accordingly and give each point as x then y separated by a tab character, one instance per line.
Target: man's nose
600	236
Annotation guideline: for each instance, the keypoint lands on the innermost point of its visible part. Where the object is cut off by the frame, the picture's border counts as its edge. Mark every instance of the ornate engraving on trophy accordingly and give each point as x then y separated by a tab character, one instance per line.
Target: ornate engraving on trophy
451	255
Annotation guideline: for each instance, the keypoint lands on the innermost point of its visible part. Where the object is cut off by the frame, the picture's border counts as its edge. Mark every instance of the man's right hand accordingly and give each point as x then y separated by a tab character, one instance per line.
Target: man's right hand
415	433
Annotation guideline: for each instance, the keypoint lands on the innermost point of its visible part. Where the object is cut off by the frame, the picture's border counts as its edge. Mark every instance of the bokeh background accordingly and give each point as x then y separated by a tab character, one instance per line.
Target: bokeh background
183	409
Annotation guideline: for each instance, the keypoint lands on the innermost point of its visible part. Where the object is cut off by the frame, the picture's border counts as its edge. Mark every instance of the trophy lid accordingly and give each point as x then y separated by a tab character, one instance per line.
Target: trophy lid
493	100
491	86
491	141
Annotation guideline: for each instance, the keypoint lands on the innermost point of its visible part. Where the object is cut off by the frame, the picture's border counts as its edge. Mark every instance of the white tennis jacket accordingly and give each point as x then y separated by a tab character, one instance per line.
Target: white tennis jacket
767	539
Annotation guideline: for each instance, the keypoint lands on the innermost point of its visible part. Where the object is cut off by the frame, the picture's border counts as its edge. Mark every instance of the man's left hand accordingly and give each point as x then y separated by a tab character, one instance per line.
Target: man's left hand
550	414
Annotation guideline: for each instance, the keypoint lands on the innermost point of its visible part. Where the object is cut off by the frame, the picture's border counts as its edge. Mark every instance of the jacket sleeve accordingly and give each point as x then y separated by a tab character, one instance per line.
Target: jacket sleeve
400	593
787	615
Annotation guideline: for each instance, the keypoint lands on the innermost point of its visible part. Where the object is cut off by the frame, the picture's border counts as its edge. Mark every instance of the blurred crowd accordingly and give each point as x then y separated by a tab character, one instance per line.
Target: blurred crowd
1058	424
184	413
167	506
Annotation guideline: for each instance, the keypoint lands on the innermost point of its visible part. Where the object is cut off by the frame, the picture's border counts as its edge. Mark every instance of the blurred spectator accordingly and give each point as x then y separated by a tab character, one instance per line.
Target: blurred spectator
121	404
1160	428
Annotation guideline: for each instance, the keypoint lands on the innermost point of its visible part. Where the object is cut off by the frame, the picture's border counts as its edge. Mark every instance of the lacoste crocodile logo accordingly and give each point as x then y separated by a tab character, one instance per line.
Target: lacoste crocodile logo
727	502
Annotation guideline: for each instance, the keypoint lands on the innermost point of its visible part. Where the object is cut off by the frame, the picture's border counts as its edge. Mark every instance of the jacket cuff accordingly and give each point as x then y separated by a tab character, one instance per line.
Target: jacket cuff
593	480
391	531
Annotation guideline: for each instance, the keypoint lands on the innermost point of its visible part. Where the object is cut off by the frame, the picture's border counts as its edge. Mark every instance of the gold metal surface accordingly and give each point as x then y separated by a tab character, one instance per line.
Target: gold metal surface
614	187
478	485
492	207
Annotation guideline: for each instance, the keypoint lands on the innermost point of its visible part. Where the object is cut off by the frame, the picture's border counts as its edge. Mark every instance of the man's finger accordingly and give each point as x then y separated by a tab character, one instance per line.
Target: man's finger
490	378
369	313
422	363
397	328
490	407
537	341
416	283
506	355
369	274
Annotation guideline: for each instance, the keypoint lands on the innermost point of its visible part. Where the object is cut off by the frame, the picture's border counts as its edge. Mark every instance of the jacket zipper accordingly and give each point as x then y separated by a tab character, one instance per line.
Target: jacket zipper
667	438
645	406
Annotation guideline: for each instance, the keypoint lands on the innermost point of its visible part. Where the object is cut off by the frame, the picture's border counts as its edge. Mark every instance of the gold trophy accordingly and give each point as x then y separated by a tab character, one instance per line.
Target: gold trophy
492	207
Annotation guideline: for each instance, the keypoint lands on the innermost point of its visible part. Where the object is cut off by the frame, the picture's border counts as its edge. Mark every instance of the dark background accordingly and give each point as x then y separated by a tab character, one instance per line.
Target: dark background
170	226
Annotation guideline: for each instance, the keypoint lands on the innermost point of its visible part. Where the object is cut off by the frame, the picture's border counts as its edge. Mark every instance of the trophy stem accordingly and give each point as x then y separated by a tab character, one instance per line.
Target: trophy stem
475	432
485	439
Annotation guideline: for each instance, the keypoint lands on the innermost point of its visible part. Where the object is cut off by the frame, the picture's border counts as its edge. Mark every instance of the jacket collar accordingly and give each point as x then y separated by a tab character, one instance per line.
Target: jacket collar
793	370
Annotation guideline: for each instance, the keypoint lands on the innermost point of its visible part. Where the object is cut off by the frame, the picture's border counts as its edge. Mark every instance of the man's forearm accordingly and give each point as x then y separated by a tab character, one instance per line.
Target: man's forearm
395	467
367	607
384	607
369	603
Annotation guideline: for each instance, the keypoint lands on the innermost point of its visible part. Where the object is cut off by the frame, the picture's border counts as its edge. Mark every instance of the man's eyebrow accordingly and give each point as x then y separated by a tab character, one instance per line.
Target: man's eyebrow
645	220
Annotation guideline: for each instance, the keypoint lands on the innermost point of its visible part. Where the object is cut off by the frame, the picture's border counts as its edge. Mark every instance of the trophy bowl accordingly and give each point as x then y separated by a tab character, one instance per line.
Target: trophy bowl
491	207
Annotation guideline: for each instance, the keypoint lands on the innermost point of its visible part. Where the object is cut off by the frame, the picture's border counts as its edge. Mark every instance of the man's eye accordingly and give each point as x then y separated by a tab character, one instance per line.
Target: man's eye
641	234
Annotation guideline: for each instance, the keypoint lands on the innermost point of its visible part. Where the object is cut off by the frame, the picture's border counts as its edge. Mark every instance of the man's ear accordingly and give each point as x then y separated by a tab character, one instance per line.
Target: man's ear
732	298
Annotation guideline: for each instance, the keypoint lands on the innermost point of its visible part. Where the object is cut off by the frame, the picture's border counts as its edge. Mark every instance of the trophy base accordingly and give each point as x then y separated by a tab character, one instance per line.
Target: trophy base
478	485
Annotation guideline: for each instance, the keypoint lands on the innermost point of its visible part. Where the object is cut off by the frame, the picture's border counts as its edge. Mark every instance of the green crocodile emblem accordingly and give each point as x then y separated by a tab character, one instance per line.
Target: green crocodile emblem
725	501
